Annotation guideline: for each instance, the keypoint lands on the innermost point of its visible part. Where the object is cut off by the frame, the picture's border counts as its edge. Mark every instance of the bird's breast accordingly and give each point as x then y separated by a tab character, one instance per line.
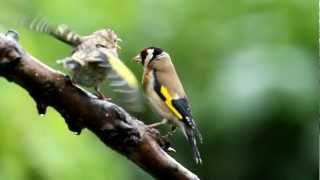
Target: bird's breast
154	99
147	79
90	76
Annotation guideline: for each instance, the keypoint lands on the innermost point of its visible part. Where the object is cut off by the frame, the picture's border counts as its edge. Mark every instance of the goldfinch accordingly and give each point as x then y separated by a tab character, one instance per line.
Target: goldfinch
166	95
94	60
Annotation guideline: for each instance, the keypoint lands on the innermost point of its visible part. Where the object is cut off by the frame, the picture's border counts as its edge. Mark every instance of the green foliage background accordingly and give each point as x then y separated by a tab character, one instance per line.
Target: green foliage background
248	66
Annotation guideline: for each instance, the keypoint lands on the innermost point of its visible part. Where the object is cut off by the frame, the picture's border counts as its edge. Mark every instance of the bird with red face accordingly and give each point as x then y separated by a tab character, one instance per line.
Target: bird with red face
167	97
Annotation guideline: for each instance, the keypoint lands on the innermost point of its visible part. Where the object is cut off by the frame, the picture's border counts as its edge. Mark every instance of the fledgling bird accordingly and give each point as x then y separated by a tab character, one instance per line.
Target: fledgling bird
163	89
94	60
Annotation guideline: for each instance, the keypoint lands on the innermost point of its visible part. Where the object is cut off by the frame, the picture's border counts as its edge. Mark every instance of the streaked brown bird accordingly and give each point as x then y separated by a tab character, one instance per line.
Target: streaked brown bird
94	60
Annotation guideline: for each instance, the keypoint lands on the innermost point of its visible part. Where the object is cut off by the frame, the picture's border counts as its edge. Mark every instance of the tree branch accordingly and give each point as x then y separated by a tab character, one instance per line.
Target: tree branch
80	109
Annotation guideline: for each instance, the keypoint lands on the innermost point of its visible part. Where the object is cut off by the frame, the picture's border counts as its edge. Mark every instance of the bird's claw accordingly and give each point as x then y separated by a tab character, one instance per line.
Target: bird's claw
105	98
171	150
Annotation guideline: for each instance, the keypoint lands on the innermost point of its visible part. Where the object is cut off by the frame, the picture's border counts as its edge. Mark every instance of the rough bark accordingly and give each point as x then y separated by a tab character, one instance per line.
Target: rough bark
115	127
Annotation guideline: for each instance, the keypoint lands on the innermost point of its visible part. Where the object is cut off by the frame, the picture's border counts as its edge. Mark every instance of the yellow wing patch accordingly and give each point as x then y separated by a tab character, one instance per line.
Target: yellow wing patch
168	100
123	70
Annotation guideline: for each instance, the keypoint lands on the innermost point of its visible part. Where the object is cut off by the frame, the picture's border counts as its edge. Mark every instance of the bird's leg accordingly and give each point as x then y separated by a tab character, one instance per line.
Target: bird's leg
100	95
172	131
69	79
153	125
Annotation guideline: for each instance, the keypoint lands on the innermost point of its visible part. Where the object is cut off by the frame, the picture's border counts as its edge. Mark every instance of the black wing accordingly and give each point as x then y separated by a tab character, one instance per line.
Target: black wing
183	107
191	130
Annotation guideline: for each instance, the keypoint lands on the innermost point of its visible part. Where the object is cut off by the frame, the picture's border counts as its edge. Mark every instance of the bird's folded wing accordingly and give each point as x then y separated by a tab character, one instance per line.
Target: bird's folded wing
178	106
164	94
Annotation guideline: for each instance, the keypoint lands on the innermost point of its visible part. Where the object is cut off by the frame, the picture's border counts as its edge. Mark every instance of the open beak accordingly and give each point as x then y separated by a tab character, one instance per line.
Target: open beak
118	47
137	58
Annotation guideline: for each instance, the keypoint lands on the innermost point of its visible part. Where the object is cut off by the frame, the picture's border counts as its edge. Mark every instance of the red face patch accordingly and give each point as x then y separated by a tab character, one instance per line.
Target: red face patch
144	54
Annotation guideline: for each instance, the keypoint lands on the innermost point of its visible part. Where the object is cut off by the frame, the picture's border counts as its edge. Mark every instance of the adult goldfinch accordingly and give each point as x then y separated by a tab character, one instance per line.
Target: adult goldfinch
166	95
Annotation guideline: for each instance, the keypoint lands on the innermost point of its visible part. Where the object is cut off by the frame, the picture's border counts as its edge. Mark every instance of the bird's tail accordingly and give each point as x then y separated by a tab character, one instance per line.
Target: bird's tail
61	32
193	136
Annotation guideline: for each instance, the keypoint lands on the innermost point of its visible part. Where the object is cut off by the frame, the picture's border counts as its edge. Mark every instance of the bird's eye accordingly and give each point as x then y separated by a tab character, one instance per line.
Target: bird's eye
100	46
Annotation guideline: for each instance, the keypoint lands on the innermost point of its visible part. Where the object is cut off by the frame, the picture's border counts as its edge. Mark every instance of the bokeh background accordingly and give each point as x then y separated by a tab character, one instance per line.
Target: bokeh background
249	67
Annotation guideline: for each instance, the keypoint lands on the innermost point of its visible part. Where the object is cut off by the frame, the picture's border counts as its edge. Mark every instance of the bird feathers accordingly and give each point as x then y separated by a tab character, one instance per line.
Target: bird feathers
184	108
123	71
60	32
168	100
95	59
167	86
181	109
192	139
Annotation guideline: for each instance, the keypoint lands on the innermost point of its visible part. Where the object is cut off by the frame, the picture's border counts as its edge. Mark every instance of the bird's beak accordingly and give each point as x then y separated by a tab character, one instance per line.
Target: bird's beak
137	58
118	47
119	39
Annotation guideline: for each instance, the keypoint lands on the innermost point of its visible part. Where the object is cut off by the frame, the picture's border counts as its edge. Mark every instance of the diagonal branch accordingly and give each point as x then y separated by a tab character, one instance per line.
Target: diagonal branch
113	125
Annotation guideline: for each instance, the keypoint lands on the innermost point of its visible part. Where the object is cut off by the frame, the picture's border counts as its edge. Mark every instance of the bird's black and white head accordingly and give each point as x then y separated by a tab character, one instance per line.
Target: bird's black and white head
151	55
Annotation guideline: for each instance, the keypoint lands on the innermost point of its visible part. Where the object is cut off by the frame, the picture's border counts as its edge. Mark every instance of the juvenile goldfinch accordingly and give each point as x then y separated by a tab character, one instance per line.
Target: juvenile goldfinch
166	95
95	60
91	61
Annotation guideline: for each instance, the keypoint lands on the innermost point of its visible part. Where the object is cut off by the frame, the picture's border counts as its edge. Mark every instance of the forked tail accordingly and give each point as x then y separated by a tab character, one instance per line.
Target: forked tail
193	135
